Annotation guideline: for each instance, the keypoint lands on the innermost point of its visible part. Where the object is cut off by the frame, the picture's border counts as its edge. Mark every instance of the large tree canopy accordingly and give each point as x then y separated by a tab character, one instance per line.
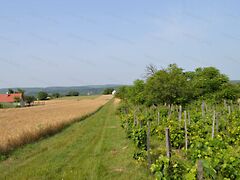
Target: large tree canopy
137	92
207	80
167	86
173	85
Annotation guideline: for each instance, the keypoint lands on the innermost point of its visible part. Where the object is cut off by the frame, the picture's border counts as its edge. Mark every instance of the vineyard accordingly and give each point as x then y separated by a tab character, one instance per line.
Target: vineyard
203	139
185	124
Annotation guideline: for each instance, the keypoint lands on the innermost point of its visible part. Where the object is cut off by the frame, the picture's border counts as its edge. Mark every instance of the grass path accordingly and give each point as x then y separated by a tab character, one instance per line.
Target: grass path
95	148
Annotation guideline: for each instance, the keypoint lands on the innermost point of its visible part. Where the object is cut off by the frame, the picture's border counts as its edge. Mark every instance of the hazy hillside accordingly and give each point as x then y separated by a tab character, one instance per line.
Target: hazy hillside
235	81
83	90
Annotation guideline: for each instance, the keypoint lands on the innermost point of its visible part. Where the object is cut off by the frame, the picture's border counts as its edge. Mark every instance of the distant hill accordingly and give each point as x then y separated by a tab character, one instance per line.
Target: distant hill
83	90
235	81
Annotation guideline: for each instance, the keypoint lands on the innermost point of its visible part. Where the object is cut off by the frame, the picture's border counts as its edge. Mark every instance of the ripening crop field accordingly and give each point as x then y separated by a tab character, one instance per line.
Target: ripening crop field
22	125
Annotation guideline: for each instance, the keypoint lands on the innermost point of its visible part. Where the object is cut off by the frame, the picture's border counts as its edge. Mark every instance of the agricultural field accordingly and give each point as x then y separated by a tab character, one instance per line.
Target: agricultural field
129	90
95	148
77	97
22	125
185	125
199	140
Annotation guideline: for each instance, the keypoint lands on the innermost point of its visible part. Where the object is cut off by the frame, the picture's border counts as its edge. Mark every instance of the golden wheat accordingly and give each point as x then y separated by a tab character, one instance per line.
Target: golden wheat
24	125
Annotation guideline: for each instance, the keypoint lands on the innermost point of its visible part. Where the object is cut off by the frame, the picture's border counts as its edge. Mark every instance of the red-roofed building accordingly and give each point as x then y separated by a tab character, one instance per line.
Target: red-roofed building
10	98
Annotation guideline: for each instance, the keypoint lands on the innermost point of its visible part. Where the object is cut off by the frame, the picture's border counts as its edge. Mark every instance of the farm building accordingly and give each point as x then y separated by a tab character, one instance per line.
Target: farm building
12	98
114	92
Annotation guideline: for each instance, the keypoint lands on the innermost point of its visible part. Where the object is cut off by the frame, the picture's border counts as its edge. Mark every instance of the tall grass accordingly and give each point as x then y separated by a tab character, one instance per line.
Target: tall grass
7	105
29	136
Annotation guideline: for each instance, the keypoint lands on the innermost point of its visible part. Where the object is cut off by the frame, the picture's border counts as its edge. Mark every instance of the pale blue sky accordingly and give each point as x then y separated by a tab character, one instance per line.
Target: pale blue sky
75	42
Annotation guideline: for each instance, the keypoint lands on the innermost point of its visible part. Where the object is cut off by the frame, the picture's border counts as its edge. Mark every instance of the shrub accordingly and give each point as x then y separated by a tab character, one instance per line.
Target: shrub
42	95
73	93
29	100
108	91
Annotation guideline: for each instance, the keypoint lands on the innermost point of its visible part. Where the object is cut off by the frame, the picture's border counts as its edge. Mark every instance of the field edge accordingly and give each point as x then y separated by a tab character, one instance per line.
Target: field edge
48	132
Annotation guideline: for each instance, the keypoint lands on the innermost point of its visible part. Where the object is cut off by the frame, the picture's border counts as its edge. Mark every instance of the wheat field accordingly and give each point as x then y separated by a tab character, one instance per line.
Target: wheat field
23	125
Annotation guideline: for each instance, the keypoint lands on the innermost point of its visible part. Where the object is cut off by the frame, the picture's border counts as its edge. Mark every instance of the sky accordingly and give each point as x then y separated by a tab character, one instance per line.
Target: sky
78	42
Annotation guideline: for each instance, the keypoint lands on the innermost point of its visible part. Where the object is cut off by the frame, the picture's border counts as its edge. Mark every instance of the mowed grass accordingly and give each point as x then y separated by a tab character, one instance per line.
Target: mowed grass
95	148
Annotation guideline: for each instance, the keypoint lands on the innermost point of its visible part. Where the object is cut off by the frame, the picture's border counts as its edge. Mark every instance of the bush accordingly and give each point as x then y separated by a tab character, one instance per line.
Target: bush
108	91
56	95
29	100
73	93
42	95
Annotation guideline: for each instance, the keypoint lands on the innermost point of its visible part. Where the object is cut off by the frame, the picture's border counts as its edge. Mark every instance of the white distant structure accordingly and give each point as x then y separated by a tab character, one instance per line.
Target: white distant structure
114	92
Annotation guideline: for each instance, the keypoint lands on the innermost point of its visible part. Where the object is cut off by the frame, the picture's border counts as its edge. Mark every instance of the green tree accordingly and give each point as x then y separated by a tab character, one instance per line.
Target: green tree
136	92
42	95
22	92
207	81
228	91
123	92
17	99
56	95
29	100
73	93
168	85
10	91
108	91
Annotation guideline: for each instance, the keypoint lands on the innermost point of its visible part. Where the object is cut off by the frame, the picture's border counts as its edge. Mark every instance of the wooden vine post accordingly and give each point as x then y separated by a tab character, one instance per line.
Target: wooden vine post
158	118
200	172
180	113
232	105
189	118
148	144
169	111
185	128
229	110
168	143
172	108
135	118
225	103
213	124
217	123
203	109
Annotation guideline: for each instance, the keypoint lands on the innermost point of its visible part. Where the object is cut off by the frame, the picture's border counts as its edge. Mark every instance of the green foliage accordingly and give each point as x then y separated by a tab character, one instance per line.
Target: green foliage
219	155
11	91
7	105
108	91
56	95
167	86
174	86
42	95
136	92
29	100
163	168
228	91
73	93
22	92
17	99
207	80
123	92
157	99
139	136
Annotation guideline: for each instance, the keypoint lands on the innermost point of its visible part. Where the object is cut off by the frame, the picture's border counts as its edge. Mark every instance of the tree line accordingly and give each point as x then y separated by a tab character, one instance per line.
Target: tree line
173	85
42	95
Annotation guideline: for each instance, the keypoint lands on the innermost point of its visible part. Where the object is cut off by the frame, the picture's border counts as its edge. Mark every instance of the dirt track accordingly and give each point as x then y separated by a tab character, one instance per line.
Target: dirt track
14	123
